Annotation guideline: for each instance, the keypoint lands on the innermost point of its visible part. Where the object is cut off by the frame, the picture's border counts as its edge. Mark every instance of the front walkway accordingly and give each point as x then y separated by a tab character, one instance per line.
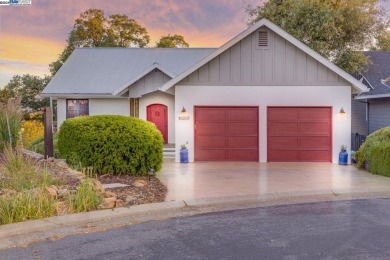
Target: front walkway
211	180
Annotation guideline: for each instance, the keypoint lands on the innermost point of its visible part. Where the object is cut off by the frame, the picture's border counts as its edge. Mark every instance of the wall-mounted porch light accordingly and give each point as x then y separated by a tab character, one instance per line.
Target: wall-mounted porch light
184	115
342	111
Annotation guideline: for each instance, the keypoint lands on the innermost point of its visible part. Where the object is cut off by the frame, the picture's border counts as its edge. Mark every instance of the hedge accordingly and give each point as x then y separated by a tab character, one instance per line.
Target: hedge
374	154
111	144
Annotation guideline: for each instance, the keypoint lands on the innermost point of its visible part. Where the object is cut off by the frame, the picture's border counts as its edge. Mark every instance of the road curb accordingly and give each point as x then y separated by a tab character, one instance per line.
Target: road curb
33	230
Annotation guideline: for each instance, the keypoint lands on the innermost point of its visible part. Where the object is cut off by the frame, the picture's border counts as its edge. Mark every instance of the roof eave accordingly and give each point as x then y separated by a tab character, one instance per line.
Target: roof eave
387	95
78	95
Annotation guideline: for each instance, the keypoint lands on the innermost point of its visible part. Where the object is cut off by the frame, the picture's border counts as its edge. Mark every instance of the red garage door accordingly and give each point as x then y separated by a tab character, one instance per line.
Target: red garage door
299	134
226	134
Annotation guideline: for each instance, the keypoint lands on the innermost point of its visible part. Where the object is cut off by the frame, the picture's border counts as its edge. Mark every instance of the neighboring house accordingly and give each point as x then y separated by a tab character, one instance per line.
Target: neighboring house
263	96
371	110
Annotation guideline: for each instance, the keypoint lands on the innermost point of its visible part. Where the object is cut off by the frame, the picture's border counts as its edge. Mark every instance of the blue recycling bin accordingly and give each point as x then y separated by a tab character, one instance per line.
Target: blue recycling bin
343	158
184	156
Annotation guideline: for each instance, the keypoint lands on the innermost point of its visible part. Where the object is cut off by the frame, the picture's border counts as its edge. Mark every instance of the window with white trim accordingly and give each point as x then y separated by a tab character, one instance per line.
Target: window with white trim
77	107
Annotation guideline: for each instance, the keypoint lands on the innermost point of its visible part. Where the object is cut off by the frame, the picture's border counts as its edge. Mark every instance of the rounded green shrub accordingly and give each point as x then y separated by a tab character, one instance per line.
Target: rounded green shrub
111	144
374	154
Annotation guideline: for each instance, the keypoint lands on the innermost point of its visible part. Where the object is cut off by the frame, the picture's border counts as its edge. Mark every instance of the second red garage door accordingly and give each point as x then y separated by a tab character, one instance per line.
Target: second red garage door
299	134
226	133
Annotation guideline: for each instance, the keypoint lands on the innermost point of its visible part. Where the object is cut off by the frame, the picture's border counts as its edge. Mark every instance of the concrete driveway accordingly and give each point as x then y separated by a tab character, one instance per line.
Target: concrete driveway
214	179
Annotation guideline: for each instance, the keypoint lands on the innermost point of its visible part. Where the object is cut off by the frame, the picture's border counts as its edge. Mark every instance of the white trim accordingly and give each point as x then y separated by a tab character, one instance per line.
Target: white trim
80	95
142	74
373	96
367	81
264	22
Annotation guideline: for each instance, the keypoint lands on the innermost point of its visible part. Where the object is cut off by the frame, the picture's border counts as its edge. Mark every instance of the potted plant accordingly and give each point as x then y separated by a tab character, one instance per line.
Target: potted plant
343	155
183	154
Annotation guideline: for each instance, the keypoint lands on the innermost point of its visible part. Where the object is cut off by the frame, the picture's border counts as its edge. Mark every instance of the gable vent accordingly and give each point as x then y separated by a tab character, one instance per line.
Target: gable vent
263	39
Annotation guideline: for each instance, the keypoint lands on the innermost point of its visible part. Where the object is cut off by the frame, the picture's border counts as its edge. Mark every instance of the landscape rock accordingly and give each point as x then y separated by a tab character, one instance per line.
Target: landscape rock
139	183
119	203
109	194
52	191
99	186
63	192
108	203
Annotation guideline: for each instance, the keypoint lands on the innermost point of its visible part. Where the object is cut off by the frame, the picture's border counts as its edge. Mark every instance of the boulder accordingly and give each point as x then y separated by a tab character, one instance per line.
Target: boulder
52	191
108	203
119	203
139	183
109	194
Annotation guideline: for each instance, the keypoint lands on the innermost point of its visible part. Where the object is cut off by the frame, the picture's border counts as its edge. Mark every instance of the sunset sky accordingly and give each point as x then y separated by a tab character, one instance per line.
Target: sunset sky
32	36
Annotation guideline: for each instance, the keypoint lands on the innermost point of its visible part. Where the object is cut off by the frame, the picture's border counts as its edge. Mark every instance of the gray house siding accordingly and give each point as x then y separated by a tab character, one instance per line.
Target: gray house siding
359	117
379	114
279	63
147	84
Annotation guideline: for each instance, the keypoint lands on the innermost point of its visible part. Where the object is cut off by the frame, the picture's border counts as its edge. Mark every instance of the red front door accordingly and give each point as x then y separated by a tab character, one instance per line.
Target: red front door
158	114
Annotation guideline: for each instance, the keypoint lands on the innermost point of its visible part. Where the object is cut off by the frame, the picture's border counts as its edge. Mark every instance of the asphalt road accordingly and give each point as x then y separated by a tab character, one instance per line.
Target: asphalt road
357	229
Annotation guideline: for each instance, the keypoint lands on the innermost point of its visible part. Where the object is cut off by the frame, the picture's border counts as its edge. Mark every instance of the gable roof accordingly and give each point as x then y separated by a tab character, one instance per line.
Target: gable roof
264	22
108	71
377	75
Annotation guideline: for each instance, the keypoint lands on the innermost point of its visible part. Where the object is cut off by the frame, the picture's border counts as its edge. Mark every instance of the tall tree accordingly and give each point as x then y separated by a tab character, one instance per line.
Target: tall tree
94	29
337	29
172	41
27	87
126	32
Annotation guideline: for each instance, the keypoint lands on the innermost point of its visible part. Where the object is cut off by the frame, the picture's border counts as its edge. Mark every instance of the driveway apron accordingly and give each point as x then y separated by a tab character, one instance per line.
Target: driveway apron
220	179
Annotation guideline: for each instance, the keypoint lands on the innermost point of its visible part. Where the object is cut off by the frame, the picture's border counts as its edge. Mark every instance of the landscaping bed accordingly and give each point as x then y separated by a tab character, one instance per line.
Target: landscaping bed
33	188
139	191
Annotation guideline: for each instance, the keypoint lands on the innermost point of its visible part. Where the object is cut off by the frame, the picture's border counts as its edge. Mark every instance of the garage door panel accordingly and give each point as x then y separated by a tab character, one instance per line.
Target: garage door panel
242	142
317	156
226	133
314	114
242	128
213	114
210	128
282	114
283	156
242	114
315	142
314	128
210	155
242	155
307	137
283	142
284	128
211	140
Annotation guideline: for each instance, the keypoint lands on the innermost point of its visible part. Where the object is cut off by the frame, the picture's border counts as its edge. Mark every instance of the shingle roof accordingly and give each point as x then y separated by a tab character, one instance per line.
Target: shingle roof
102	71
377	71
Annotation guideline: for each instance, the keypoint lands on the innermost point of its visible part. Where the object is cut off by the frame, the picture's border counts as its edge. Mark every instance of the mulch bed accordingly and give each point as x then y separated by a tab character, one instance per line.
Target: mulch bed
152	191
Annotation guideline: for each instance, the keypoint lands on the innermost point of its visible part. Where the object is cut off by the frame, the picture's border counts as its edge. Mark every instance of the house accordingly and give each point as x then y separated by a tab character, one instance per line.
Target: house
263	96
371	110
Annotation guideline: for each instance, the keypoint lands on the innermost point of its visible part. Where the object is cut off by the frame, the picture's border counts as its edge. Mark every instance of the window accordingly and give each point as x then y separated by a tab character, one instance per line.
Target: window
77	107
